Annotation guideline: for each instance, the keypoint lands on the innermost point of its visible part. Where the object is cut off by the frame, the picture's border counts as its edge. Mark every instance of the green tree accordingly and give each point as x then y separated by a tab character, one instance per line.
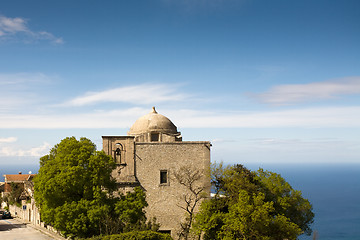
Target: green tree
74	190
253	205
287	201
130	212
14	197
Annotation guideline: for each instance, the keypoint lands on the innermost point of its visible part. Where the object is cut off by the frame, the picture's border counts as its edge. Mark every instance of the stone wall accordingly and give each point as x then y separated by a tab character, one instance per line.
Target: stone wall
143	164
165	199
28	212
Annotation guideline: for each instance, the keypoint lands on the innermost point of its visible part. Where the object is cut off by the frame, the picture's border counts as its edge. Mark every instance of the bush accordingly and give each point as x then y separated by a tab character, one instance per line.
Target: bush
135	235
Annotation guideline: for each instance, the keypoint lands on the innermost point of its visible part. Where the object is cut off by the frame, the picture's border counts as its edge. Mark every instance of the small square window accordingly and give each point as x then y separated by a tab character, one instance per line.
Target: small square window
163	177
154	137
165	231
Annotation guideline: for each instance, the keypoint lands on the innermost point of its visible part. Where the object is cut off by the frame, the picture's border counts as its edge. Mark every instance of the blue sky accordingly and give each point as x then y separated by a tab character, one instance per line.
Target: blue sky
265	81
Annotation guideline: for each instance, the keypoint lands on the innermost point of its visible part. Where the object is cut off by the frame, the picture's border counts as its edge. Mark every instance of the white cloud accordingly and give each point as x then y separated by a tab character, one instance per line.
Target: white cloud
20	91
12	151
194	6
10	27
311	118
221	140
296	143
8	148
144	93
295	93
8	140
38	151
97	119
299	149
308	117
20	79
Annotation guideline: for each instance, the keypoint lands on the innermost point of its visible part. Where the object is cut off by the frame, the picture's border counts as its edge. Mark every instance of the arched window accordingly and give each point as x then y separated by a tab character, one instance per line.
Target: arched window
118	152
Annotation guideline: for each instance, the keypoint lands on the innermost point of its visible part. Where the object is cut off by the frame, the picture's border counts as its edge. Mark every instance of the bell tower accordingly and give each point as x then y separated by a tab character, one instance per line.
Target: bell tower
122	149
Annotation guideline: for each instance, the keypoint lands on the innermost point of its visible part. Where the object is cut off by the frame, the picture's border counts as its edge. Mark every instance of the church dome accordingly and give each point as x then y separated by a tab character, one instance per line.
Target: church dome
153	122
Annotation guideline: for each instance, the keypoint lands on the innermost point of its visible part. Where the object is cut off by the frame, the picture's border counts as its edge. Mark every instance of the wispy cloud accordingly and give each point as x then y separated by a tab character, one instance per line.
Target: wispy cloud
193	6
309	118
19	79
98	119
266	142
9	147
144	93
11	151
18	27
221	140
296	93
299	149
8	140
12	25
22	91
37	151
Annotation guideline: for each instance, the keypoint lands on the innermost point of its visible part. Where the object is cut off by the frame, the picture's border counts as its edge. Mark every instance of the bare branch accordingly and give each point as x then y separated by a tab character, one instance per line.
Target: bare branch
192	180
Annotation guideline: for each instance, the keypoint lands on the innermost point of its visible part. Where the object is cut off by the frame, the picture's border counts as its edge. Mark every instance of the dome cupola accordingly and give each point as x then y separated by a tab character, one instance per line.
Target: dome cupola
154	127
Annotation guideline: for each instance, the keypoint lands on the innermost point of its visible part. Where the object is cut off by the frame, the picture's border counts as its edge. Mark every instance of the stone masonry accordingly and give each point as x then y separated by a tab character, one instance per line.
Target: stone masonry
149	157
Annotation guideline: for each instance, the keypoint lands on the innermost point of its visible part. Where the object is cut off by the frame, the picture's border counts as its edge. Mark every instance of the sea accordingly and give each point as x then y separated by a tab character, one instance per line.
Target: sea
332	189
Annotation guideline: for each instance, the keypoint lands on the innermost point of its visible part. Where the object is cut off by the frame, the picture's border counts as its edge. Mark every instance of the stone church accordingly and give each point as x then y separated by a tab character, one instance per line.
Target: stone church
150	156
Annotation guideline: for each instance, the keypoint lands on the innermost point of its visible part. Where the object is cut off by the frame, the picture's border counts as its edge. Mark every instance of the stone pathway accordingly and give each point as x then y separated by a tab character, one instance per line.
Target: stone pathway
12	229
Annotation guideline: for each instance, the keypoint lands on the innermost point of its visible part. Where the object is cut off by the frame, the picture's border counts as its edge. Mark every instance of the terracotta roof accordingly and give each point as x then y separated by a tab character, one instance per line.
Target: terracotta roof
18	177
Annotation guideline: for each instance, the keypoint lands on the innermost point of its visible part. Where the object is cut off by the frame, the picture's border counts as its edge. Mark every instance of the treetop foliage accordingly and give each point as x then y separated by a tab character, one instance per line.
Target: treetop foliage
74	170
252	205
74	191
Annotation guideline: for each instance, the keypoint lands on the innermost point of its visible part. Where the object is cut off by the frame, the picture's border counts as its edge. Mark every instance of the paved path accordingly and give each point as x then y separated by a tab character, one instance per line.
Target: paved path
11	229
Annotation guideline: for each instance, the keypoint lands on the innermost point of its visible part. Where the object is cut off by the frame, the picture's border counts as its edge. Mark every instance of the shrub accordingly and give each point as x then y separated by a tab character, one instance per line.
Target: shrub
135	235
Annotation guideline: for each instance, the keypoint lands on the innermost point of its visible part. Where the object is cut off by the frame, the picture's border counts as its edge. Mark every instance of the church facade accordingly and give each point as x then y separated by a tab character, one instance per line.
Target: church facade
151	156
